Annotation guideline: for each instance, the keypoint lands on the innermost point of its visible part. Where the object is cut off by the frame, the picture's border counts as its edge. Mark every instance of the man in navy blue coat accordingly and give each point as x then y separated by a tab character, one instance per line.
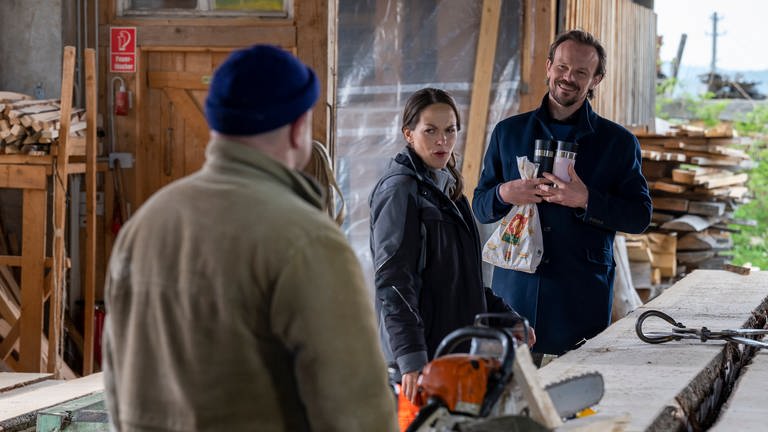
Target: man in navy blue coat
568	299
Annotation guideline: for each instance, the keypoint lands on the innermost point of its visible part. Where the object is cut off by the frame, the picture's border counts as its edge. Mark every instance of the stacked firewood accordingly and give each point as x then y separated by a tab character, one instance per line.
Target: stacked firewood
697	181
29	126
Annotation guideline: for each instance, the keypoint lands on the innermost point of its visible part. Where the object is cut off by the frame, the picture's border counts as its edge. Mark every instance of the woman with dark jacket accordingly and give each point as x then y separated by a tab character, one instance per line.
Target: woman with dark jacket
425	244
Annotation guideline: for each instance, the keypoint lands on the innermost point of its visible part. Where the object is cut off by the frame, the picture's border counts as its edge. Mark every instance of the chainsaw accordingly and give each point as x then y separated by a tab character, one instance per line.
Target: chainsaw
477	391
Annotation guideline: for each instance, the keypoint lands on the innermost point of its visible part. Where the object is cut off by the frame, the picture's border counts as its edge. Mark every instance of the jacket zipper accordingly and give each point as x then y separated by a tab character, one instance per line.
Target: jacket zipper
418	319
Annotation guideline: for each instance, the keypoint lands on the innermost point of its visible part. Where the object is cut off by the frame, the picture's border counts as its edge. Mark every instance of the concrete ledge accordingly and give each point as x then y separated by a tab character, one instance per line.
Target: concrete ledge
661	386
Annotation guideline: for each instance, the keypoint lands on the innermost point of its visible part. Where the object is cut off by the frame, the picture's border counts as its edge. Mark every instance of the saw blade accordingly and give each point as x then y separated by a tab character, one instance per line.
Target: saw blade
576	393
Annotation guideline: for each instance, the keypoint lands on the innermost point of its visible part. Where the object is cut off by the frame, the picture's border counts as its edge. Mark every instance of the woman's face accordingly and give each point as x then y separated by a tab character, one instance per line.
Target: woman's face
434	136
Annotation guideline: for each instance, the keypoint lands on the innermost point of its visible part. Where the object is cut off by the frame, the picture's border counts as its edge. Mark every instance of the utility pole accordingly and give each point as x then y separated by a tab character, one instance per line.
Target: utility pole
715	34
679	57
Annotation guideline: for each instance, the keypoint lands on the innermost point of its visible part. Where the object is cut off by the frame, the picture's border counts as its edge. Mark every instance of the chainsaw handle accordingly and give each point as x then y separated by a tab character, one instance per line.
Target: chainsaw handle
465	334
484	320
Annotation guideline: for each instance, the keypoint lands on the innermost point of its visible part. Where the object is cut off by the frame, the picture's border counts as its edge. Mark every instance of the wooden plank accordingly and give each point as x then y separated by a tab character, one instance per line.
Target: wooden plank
9	310
313	39
14	380
734	179
55	321
89	288
689	223
706	208
481	88
13	96
667	186
539	28
663	248
203	35
23	177
670	204
10	341
658	384
179	80
18	404
696	241
32	271
527	377
694	257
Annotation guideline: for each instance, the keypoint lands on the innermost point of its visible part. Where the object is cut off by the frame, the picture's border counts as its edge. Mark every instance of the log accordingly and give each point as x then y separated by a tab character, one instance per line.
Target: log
660	384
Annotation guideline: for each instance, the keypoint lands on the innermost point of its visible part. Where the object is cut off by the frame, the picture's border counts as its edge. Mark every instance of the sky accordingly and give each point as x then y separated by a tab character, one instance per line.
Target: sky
740	46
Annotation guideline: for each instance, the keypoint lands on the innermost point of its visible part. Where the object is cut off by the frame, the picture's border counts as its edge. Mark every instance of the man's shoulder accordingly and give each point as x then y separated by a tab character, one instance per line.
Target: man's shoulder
609	126
516	119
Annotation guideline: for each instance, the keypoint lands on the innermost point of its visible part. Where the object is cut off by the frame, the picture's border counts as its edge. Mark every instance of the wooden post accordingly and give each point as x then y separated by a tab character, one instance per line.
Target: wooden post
32	279
60	209
481	89
538	33
312	32
91	105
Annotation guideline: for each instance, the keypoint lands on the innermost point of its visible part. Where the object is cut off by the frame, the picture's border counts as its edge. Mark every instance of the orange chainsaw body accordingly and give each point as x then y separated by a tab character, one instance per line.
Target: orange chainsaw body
460	381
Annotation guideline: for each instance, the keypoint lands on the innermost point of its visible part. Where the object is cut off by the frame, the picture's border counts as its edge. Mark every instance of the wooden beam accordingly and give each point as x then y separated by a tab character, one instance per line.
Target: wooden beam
33	268
481	90
538	32
60	179
312	32
91	104
210	35
180	80
23	177
10	341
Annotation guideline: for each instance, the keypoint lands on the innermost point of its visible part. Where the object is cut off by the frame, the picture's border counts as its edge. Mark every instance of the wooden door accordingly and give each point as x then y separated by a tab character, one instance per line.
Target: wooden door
174	132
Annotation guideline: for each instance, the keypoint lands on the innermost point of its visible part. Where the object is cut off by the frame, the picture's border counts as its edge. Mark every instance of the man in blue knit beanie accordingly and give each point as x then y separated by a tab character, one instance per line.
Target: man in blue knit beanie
233	302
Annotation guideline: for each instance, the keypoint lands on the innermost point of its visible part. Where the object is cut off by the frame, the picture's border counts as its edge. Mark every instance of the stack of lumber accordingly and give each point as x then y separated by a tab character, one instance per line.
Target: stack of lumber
29	126
696	182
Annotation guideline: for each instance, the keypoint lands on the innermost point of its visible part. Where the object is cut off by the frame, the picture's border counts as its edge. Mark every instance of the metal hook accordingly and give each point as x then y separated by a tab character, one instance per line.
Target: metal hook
656	338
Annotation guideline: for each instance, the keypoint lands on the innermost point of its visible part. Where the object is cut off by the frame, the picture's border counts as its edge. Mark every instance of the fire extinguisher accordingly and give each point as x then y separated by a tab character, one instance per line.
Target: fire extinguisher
121	101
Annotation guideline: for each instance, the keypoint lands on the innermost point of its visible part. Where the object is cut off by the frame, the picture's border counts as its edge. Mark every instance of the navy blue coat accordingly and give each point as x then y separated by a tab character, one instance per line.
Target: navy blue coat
569	297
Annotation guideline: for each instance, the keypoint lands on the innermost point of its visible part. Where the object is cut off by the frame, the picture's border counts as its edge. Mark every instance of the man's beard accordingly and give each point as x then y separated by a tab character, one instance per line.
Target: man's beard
563	101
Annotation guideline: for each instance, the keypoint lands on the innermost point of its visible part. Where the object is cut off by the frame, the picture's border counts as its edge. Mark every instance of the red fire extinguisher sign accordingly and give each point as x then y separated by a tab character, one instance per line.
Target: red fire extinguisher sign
122	49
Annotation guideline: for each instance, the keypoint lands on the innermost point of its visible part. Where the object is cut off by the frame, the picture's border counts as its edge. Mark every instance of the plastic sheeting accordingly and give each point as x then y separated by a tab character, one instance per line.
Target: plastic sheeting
386	51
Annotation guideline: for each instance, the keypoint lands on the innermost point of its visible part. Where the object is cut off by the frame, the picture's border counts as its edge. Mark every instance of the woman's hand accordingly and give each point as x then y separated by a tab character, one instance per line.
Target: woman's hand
409	385
517	332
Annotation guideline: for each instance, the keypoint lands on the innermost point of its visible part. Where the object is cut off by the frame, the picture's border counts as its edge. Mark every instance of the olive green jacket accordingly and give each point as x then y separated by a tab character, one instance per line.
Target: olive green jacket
235	304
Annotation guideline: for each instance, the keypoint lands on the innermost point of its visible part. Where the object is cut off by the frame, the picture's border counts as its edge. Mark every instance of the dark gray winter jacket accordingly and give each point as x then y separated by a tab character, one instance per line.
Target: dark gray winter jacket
426	255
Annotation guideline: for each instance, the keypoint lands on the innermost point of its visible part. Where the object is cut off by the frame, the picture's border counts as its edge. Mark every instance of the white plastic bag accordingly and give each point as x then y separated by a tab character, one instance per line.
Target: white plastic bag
517	242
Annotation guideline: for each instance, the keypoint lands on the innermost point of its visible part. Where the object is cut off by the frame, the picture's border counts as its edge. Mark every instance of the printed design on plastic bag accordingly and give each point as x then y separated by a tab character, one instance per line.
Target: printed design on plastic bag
517	242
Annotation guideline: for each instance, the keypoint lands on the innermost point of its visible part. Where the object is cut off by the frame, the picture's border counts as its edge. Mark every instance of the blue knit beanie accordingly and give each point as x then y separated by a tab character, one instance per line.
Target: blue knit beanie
259	89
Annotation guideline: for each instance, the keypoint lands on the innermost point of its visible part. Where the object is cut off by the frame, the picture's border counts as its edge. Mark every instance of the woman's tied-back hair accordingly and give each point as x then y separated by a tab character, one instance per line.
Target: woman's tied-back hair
585	38
417	103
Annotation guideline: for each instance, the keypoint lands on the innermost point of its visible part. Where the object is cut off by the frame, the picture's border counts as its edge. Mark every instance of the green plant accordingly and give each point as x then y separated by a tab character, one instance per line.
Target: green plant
751	242
705	109
754	122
